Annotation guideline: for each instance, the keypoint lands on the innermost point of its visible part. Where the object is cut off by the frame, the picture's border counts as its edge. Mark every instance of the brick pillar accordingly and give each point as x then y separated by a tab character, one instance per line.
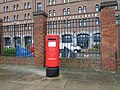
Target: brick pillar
109	39
40	31
1	23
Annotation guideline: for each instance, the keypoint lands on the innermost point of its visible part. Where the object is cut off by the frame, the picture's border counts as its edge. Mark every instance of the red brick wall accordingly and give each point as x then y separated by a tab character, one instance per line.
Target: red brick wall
16	60
109	39
40	28
118	48
82	63
1	36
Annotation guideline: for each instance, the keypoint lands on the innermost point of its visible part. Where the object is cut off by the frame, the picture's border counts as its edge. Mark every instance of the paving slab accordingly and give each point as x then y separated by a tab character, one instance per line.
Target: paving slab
33	78
55	88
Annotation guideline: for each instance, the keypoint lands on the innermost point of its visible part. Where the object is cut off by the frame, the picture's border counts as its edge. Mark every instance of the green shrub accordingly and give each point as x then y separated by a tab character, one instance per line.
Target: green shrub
9	51
95	47
27	46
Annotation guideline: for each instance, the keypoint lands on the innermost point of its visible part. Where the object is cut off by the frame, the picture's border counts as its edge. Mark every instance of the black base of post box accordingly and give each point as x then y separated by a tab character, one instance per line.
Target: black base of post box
52	72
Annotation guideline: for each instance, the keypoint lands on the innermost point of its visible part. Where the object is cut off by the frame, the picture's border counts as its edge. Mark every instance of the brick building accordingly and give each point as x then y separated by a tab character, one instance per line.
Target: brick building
22	11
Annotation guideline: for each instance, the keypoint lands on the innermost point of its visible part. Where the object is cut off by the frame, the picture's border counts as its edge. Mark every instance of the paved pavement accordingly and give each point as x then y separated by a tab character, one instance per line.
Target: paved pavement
14	77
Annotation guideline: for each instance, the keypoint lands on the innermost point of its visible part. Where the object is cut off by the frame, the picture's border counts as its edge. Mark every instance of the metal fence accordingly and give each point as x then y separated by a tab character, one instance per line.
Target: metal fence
78	37
17	40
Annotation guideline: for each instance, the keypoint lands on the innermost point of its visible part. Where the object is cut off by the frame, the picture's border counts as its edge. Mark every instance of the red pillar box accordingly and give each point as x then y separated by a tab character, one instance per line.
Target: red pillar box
52	55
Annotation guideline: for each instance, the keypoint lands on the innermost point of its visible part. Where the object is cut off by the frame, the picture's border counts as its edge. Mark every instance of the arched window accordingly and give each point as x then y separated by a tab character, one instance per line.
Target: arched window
25	5
97	8
67	38
7	18
50	13
68	0
64	11
84	22
29	6
97	21
68	11
79	10
64	1
4	0
17	17
17	7
50	2
25	17
84	9
80	22
28	15
6	8
54	13
14	8
4	19
14	18
54	1
39	7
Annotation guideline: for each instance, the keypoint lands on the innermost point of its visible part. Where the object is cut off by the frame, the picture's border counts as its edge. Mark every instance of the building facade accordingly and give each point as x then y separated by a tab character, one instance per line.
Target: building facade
20	11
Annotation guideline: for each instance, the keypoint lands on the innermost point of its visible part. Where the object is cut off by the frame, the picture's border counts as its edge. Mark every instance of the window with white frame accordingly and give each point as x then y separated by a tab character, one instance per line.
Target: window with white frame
68	11
4	0
28	15
54	1
84	22
4	19
39	6
14	8
17	7
50	13
17	17
50	2
29	5
64	24
68	23
80	10
7	18
68	0
54	13
50	25
97	8
54	24
64	1
64	11
97	21
4	9
25	16
80	22
84	9
25	5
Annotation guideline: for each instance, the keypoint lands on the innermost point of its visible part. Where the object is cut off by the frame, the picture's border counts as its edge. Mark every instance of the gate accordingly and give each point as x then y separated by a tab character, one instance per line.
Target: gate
78	37
17	39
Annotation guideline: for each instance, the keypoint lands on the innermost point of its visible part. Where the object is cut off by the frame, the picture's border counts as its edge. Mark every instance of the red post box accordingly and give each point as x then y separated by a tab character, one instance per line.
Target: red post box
52	55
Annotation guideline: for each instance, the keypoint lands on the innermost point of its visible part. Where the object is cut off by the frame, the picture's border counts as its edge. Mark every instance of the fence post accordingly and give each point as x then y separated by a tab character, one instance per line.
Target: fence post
1	36
108	39
40	31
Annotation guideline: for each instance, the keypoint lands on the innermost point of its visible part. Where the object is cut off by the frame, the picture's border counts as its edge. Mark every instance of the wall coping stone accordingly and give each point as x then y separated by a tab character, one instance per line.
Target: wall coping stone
40	13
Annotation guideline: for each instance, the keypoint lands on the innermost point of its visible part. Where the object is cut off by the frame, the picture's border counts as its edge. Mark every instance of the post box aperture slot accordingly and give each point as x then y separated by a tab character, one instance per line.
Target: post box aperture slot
52	39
